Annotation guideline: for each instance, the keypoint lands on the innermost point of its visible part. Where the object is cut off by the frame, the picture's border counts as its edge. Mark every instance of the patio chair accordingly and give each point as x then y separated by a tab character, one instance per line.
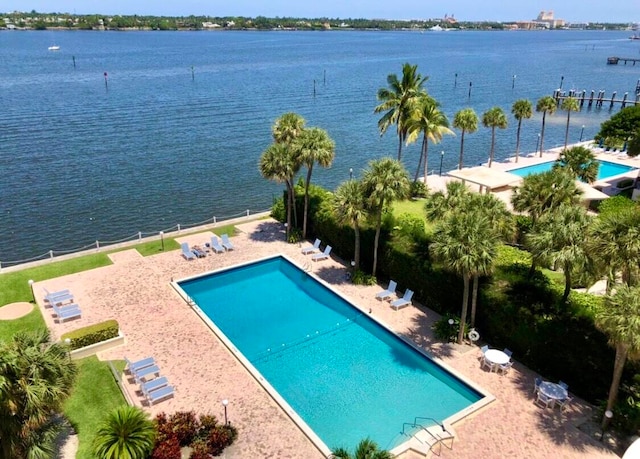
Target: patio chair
504	369
483	349
160	394
542	399
404	301
226	243
536	386
508	352
487	363
132	367
563	403
215	245
312	248
142	374
563	384
153	385
389	292
322	256
186	252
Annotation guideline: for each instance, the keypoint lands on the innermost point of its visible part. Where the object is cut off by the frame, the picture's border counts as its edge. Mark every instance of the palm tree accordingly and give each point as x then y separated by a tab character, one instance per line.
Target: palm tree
126	433
558	239
522	109
36	377
494	118
570	104
349	207
581	161
395	100
546	104
366	449
277	163
620	320
439	204
467	121
287	128
312	146
426	118
385	181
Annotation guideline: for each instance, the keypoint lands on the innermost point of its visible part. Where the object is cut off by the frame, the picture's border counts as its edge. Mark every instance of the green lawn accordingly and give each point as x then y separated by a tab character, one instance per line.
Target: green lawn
32	321
95	394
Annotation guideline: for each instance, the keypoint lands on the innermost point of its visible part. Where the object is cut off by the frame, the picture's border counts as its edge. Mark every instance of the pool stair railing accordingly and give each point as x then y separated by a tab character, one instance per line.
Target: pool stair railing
426	437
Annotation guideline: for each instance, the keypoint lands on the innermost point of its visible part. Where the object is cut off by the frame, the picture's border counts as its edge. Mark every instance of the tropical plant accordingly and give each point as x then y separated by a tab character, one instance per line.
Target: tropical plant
287	128
467	121
569	104
126	433
494	118
395	99
620	320
581	162
621	127
522	109
312	146
366	449
438	204
349	207
427	118
36	377
385	181
546	104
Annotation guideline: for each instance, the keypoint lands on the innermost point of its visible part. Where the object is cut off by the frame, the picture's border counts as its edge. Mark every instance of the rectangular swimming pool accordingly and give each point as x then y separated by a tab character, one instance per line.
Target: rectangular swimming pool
607	169
344	374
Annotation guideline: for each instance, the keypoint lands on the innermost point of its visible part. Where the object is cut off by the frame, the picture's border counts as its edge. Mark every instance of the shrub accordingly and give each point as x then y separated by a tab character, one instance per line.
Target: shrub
361	278
418	189
200	450
278	210
184	426
409	225
169	448
445	331
92	334
220	437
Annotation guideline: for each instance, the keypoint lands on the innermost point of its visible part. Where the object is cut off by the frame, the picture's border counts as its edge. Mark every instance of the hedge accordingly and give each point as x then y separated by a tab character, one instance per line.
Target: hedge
92	334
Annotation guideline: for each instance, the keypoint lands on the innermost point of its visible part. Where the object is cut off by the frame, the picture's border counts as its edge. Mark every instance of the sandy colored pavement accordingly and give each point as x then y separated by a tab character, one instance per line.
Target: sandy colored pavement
135	290
15	310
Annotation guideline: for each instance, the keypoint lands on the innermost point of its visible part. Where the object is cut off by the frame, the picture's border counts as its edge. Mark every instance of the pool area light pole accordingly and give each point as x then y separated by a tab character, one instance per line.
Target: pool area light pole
33	295
162	239
538	144
225	402
351	173
441	158
581	132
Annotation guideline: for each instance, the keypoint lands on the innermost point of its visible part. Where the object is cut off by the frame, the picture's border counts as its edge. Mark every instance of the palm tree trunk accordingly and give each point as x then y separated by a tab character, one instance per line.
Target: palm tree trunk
465	306
474	300
493	144
356	255
399	145
618	366
306	201
426	158
566	132
292	187
461	150
377	239
567	282
289	193
415	178
518	139
544	115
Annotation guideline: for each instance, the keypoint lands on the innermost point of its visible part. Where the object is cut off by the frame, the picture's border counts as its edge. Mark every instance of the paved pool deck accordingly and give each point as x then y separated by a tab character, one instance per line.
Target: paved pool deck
136	291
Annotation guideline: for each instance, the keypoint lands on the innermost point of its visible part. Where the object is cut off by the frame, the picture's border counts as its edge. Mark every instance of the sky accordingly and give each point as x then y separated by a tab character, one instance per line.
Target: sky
620	11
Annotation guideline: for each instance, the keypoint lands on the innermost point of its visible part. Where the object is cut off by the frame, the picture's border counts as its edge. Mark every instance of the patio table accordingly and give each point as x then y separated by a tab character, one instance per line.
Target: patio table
496	357
553	390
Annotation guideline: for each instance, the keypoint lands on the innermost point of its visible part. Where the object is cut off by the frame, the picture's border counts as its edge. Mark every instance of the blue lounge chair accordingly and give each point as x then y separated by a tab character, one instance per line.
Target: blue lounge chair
48	294
142	374
198	252
153	385
312	248
389	292
226	243
160	394
215	245
59	297
404	301
322	256
132	367
67	312
186	252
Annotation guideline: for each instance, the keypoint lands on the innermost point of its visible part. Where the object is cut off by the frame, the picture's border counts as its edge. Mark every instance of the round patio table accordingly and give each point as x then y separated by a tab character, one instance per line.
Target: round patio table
496	357
553	390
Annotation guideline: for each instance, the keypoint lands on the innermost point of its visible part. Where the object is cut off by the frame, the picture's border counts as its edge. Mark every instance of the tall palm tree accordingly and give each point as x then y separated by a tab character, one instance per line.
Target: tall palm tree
467	121
570	104
395	99
278	163
385	181
439	204
546	104
36	377
620	320
312	146
494	118
126	433
366	449
522	109
287	128
349	207
581	161
427	118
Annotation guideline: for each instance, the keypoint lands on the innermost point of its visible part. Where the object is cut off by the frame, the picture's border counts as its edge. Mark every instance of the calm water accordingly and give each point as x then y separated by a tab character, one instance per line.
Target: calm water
84	162
319	353
606	169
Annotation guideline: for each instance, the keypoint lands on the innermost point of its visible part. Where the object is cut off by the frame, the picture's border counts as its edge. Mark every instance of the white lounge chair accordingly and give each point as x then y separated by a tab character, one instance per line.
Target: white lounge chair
226	243
186	251
322	256
215	245
142	374
63	313
312	248
160	394
389	292
153	385
404	301
132	367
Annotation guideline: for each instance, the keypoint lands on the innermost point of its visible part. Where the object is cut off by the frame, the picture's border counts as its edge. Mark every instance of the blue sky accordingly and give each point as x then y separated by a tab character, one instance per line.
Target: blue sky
471	10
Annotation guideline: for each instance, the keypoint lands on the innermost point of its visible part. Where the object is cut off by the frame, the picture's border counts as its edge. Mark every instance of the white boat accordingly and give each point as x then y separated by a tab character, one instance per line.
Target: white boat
54	48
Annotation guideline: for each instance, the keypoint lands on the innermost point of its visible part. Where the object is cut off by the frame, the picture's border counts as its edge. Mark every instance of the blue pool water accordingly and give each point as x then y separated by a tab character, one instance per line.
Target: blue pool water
606	169
345	375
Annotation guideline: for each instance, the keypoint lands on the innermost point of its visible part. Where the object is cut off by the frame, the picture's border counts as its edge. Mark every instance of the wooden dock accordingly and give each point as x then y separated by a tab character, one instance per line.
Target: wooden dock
614	60
599	98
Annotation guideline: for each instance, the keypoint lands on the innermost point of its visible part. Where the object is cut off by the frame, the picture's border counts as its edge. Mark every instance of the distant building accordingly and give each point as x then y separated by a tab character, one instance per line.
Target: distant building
546	17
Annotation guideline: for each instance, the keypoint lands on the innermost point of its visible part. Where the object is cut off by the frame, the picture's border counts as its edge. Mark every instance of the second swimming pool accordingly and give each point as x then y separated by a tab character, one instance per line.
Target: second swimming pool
607	169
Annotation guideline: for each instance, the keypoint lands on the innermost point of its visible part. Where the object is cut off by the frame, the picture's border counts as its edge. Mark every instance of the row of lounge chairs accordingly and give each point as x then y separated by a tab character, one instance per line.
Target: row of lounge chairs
390	292
312	249
146	373
215	246
62	304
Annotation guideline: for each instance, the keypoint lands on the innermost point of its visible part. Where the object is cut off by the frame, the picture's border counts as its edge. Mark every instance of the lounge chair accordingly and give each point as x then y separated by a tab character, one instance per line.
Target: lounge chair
404	301
226	243
215	245
153	385
68	312
141	375
322	256
186	252
48	294
389	292
160	394
199	251
59	297
132	367
312	248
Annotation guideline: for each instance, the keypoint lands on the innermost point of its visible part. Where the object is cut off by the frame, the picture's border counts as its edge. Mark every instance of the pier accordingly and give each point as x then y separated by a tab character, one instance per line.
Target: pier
615	59
599	99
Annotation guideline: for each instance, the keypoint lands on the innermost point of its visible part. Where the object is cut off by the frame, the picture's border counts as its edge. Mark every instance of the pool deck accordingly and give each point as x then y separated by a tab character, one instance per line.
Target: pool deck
136	291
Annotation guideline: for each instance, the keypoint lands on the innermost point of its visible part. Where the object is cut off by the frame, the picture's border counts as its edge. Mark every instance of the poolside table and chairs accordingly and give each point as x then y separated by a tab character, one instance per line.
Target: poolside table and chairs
495	358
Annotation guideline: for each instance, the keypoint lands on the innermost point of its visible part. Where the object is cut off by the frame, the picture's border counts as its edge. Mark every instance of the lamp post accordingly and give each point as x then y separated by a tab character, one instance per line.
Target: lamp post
538	144
162	239
441	158
351	173
581	132
67	342
608	415
561	81
33	295
225	402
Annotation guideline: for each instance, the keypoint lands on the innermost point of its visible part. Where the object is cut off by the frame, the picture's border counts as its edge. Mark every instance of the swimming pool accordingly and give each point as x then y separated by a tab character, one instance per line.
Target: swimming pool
344	374
607	169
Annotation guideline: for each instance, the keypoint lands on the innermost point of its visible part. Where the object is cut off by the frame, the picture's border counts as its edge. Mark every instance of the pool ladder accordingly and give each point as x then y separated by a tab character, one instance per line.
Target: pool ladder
308	267
433	435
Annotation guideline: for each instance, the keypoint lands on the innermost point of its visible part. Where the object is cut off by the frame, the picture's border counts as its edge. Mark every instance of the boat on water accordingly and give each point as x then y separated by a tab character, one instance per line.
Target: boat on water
635	36
53	48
